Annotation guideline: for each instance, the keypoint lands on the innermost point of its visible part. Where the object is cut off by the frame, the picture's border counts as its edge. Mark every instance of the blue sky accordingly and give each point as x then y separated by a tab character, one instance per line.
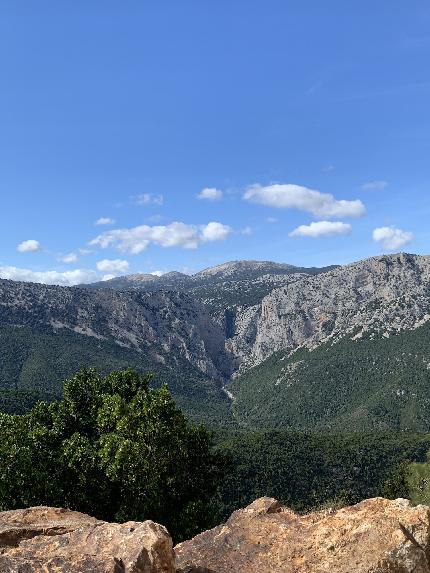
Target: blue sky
307	121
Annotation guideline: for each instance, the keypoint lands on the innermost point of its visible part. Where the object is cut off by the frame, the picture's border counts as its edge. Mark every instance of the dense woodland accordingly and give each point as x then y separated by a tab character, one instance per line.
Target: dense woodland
34	362
119	448
115	448
373	383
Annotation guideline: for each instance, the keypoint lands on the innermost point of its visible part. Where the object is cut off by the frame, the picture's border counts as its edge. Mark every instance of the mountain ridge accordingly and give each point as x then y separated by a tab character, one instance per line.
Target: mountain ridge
233	320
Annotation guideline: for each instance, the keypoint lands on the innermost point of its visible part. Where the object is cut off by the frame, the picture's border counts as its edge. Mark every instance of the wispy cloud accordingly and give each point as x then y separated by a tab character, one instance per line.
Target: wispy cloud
210	194
105	221
67	278
69	258
377	185
113	266
247	230
149	199
315	87
328	168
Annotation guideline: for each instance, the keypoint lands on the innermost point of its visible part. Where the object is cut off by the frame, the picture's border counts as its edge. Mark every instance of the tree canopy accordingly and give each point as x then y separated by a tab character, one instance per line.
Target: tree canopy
115	448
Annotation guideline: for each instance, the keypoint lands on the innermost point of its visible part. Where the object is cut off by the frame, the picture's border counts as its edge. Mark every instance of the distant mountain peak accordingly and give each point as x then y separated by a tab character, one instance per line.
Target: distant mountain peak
245	265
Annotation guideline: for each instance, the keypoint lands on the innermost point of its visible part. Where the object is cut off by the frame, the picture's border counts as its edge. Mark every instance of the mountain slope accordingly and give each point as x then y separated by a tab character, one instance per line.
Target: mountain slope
381	294
34	363
310	349
370	383
226	289
161	324
47	333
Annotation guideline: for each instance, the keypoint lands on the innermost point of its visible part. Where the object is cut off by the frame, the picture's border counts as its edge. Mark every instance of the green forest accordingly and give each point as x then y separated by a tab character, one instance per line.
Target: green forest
117	446
372	383
35	362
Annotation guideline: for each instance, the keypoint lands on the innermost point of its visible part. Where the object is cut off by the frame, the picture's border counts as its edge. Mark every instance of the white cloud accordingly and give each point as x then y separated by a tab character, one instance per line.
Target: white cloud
374	185
105	221
322	229
272	220
149	199
287	196
108	277
67	278
210	194
30	246
113	266
136	239
214	232
69	258
158	273
391	238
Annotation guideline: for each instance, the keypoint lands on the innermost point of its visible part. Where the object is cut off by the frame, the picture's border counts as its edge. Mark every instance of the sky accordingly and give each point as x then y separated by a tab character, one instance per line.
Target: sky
158	135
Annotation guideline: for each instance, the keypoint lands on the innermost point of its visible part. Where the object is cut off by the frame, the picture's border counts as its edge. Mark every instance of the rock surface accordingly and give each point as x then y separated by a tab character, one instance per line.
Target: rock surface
265	307
159	324
374	536
52	540
384	295
229	318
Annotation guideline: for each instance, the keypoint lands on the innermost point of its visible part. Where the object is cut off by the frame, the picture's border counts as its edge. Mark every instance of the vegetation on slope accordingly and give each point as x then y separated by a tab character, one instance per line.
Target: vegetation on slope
119	449
307	471
365	384
34	362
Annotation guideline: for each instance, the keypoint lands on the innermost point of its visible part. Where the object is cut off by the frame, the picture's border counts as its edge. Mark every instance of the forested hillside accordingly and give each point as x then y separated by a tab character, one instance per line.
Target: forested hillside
34	364
310	470
250	344
370	383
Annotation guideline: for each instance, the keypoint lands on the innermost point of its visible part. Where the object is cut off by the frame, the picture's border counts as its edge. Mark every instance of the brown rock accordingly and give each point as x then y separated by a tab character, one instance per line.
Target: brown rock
51	540
374	536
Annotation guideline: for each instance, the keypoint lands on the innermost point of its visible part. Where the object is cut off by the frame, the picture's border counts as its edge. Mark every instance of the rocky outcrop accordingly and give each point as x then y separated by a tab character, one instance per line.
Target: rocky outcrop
265	307
160	324
51	540
229	318
383	295
374	536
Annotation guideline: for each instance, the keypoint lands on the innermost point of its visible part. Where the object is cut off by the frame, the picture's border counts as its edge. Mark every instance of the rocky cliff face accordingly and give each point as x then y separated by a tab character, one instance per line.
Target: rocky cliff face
50	540
163	324
383	295
264	307
227	319
375	536
222	289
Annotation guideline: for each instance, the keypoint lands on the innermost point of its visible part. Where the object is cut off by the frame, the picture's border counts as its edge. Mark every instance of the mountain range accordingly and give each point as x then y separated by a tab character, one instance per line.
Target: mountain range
248	343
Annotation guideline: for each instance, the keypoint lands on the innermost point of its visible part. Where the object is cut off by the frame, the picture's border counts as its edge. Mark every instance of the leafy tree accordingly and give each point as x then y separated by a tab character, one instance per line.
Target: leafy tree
397	483
115	448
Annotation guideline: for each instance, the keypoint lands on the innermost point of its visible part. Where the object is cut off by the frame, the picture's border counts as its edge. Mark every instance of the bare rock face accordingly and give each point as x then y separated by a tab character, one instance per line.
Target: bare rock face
51	540
375	536
382	294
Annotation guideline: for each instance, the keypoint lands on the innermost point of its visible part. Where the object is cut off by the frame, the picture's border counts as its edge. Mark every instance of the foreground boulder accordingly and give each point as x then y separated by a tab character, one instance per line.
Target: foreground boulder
374	536
51	540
